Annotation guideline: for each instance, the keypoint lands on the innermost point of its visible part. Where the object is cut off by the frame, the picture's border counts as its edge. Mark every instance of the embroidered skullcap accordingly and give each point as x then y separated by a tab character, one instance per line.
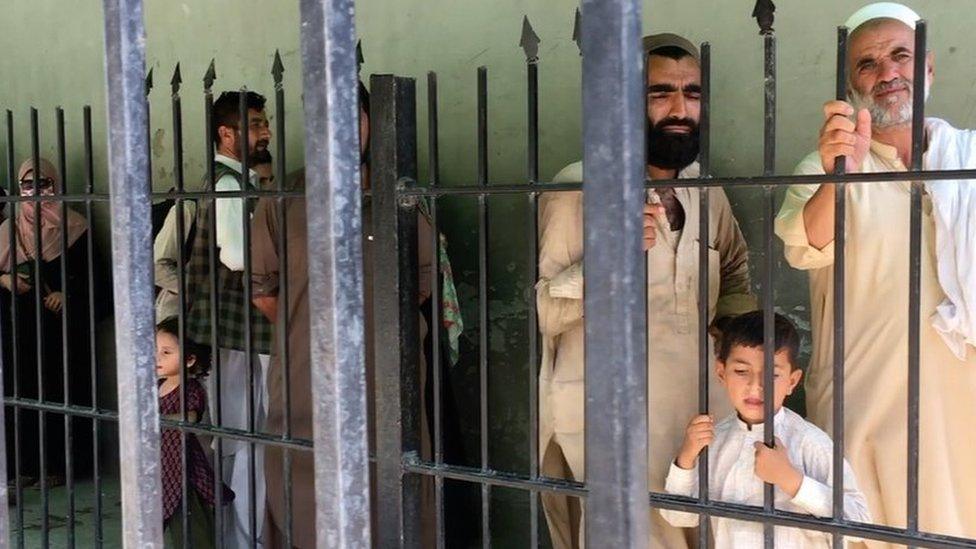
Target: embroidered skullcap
882	10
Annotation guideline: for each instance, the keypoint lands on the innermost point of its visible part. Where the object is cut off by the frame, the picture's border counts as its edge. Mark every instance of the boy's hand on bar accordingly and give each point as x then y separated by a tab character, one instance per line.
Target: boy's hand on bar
841	136
650	230
699	434
773	465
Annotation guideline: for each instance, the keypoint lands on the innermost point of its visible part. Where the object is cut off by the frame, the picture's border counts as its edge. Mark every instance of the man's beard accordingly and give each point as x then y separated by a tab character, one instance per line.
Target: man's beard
897	112
260	156
672	151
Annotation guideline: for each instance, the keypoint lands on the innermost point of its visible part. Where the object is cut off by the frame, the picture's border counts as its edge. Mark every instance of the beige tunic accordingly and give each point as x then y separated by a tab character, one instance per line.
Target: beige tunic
266	278
672	299
876	353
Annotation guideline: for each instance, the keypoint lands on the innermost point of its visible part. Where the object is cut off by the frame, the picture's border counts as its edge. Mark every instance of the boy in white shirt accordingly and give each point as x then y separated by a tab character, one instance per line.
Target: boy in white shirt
800	465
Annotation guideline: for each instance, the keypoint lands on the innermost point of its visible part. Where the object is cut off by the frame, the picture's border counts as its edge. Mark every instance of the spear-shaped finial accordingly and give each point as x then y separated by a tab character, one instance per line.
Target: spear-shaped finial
359	55
529	42
277	69
208	79
149	81
578	31
176	80
763	12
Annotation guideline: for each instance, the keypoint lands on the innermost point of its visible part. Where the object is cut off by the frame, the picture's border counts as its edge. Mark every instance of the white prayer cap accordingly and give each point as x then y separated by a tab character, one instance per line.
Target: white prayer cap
882	10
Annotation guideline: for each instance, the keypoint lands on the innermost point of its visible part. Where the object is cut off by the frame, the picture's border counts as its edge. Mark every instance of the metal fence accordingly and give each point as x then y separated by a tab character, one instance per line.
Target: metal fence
615	491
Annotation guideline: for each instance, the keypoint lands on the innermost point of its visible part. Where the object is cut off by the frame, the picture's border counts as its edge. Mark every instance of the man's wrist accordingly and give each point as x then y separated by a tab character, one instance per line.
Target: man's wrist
685	462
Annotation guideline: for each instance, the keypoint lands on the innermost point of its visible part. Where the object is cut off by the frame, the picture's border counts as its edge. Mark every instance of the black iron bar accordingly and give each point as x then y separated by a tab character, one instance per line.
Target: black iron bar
251	194
704	303
691	505
148	86
532	238
914	274
769	265
277	72
433	177
209	430
394	226
483	328
65	308
840	265
218	458
36	287
92	339
177	112
245	183
781	180
187	195
13	188
614	116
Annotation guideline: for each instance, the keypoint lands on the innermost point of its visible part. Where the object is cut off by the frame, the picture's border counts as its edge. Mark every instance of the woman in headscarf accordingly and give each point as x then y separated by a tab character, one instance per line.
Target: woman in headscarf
34	241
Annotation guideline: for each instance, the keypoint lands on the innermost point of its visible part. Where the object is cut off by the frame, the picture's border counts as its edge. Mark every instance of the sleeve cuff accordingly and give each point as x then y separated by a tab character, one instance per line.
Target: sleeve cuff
680	481
800	254
813	496
568	284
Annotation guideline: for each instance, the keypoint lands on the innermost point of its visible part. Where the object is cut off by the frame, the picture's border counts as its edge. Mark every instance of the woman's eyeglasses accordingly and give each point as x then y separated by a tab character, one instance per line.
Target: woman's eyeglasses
29	185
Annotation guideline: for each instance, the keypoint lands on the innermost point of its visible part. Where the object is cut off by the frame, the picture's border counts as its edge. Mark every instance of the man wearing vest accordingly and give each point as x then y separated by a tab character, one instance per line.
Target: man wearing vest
233	365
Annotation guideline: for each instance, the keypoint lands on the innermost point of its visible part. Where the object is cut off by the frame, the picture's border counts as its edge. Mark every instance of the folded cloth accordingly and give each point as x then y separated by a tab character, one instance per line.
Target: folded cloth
954	209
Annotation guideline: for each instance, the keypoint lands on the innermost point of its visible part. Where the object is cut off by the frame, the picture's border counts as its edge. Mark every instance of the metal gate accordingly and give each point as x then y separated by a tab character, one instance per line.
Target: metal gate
616	489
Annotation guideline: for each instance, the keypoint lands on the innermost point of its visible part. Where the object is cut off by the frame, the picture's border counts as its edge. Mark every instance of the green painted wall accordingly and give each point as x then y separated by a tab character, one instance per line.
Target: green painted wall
53	56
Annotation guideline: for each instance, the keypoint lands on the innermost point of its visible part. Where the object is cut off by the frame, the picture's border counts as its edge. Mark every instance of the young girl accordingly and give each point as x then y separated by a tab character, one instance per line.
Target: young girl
200	477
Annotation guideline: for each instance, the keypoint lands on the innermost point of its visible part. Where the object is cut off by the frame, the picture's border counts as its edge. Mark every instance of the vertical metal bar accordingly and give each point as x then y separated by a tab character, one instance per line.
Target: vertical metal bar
245	183
704	240
840	266
769	265
92	340
177	112
483	328
335	272
616	328
38	334
13	189
132	264
532	237
208	80
914	273
147	87
396	339
433	169
65	308
277	71
4	487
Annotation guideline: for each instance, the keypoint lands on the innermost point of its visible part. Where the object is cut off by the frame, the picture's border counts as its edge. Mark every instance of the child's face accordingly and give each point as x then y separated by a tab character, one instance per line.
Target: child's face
742	375
167	355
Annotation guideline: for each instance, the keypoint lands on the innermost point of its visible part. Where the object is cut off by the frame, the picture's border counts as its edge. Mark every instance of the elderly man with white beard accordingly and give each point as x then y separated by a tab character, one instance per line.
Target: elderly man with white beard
874	132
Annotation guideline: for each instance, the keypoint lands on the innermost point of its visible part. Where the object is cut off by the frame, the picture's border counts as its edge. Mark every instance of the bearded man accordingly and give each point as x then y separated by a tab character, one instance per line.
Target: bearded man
672	242
235	365
873	130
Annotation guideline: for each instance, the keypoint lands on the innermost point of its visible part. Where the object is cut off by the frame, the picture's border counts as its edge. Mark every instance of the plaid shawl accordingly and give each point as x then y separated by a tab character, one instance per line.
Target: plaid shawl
231	307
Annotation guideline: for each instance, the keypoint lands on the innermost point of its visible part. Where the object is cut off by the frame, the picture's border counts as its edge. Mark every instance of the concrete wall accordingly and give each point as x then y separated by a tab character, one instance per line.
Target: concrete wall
53	56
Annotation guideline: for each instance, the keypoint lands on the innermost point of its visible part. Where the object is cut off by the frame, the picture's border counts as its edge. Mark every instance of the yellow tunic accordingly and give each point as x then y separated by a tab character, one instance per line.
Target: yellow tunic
672	288
876	353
